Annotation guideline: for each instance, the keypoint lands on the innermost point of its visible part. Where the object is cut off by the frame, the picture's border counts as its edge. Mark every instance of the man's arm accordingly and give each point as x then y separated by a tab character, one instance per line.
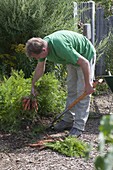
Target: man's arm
39	71
84	64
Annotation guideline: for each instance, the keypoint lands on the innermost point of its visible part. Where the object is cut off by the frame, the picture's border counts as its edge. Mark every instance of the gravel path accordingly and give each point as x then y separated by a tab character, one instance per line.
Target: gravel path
26	158
15	155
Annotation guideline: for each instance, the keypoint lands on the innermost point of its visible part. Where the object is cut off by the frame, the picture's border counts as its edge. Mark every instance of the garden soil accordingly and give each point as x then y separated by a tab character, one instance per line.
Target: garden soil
15	154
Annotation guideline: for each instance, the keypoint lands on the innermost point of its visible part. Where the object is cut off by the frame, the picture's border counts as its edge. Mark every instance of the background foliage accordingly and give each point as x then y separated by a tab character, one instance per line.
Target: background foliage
105	48
107	5
104	160
23	19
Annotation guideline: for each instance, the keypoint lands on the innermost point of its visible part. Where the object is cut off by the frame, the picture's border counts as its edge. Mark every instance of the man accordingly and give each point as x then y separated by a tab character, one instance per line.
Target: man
77	52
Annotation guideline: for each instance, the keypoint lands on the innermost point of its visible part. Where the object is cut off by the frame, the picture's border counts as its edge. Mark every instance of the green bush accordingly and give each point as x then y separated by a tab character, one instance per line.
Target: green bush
23	19
19	20
22	62
51	95
58	16
25	64
12	115
6	63
17	61
11	92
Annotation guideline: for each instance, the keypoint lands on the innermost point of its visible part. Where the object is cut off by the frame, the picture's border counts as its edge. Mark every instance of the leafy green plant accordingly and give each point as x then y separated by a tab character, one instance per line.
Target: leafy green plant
14	88
11	92
61	74
52	96
104	160
70	146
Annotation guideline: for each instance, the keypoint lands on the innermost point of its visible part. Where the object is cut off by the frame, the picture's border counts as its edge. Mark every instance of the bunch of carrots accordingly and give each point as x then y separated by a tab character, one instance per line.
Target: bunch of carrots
29	103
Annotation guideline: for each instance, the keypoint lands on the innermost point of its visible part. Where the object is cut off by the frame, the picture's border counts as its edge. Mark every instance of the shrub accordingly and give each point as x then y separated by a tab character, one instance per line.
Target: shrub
6	63
22	62
13	89
51	95
17	61
11	92
23	19
19	20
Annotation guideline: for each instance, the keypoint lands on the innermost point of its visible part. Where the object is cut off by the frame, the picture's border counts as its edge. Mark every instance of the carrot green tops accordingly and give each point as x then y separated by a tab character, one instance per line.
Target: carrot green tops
65	47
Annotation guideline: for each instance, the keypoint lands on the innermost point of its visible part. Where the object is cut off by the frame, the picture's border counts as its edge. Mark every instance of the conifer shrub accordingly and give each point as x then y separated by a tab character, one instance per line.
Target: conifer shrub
23	19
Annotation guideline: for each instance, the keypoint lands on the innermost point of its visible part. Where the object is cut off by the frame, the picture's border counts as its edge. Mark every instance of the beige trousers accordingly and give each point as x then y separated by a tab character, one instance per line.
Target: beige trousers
75	84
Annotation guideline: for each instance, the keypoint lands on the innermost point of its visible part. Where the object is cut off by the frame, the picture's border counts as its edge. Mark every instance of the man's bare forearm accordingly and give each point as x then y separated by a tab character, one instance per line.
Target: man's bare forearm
39	71
85	66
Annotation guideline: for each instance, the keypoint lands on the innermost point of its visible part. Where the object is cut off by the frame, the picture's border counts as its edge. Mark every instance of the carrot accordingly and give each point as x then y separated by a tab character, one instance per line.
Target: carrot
36	106
23	103
33	105
28	107
24	100
27	104
41	142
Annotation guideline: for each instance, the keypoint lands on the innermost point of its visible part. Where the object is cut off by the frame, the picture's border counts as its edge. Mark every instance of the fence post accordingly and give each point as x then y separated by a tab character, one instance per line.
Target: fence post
99	24
92	9
75	13
88	16
87	30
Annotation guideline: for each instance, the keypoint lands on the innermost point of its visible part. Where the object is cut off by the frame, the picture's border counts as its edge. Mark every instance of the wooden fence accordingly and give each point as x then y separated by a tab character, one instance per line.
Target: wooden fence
100	27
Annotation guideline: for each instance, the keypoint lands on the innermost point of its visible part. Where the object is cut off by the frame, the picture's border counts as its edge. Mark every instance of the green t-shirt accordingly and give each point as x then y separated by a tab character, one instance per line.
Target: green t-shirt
65	47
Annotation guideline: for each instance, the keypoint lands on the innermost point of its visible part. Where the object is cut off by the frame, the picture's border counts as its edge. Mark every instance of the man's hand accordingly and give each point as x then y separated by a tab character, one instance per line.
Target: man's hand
33	91
89	89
